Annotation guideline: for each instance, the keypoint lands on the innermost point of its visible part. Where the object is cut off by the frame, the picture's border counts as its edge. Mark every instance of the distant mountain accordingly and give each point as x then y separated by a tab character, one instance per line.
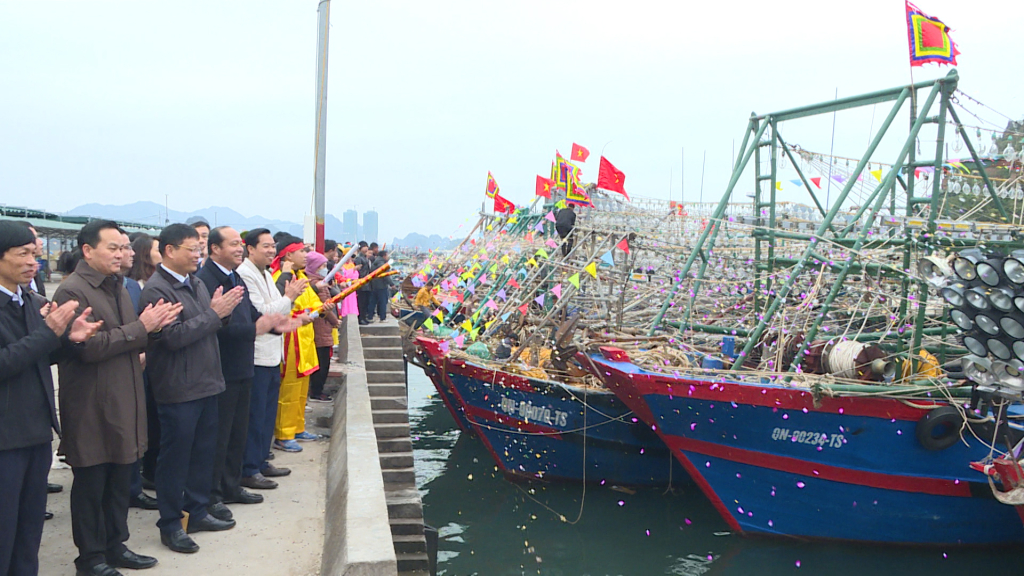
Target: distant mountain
432	242
153	213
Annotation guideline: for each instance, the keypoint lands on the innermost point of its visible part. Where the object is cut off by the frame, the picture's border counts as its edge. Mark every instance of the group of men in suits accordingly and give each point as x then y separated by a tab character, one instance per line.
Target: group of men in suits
192	331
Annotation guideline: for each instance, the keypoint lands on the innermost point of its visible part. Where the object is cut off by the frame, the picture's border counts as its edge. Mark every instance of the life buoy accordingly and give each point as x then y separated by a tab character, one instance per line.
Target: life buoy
939	428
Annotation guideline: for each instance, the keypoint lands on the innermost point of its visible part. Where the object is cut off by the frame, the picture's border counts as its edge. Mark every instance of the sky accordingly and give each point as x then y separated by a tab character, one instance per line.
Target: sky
213	103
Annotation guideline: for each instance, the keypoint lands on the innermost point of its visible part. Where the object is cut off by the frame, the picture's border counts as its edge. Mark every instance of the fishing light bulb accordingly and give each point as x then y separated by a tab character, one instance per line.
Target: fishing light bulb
987	324
1013	267
956	187
1018	301
1010	153
976	297
978	369
975	346
998	349
988	273
1011	327
955	296
964	268
1018	349
976	190
963	321
934	269
1001	299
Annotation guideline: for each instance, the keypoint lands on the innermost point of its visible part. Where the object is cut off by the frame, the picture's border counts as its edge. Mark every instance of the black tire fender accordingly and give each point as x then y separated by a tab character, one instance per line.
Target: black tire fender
939	428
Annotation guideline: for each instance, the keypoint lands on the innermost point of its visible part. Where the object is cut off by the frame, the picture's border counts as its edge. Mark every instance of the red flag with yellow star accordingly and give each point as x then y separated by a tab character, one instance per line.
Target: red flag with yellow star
544	186
611	178
579	153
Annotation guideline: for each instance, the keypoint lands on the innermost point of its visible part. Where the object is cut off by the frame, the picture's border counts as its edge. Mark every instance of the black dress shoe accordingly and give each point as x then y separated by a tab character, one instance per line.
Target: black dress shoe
209	524
258	482
129	559
143	501
220	512
52	488
272	471
270	456
244	497
178	541
48	516
100	569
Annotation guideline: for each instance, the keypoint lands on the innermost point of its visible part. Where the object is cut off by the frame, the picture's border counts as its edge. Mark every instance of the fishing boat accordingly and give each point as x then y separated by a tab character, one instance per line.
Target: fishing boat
857	408
537	428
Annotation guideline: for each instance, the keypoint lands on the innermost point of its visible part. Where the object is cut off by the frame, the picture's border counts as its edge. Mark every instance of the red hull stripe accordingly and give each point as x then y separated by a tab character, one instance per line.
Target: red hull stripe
934	486
770	397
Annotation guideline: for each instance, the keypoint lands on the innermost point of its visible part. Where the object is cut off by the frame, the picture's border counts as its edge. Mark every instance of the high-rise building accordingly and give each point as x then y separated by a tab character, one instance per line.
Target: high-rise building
350	226
370	225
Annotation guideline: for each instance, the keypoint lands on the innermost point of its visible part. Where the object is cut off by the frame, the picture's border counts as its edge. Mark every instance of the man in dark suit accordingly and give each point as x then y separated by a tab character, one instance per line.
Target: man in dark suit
183	363
237	340
31	333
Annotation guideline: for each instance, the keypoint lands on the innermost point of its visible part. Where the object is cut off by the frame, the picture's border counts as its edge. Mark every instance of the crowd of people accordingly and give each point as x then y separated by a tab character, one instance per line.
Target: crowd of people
183	362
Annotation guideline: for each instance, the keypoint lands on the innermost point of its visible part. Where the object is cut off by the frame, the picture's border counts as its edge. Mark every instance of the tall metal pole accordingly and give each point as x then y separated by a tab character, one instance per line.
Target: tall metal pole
320	147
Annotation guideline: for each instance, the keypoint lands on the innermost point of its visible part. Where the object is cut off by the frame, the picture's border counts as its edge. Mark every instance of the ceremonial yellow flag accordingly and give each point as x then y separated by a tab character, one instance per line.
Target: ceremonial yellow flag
513	220
575	280
467	326
487	325
778	185
592	269
877	174
504	259
531	261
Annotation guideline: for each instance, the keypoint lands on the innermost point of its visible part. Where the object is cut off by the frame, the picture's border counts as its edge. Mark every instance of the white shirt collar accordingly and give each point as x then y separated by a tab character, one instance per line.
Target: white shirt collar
176	276
17	297
222	269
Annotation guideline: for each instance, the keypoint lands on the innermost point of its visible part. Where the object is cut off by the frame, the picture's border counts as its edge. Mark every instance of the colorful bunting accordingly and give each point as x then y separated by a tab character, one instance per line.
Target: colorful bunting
539	299
877	174
817	182
592	268
575	280
623	245
557	290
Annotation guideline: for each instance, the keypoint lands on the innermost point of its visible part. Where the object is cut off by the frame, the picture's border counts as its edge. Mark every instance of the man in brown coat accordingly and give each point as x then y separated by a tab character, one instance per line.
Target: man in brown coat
102	402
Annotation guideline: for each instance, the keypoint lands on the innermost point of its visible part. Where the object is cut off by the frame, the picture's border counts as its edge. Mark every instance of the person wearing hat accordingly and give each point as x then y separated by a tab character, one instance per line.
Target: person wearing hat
323	326
32	333
300	358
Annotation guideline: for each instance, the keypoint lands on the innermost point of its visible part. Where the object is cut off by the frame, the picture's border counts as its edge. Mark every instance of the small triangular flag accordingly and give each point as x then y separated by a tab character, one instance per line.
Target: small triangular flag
550	216
557	290
460	340
623	245
539	299
504	259
542	252
592	269
428	324
817	182
575	280
467	326
877	174
778	185
492	305
501	294
522	309
531	261
608	259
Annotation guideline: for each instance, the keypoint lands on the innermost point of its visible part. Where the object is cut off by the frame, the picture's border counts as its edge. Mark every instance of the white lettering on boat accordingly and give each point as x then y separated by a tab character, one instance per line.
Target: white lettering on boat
808	437
527	411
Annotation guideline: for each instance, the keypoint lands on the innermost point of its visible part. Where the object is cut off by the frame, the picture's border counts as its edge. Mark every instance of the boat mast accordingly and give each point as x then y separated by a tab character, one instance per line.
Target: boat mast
320	146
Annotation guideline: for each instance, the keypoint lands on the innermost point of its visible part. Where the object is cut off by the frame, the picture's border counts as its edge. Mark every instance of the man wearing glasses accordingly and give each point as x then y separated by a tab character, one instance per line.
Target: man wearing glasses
183	363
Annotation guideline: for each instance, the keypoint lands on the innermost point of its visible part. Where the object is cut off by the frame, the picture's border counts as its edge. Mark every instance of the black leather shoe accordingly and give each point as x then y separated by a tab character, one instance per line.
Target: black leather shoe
270	456
244	497
272	471
100	569
129	559
258	482
178	541
209	524
220	512
52	488
48	516
143	501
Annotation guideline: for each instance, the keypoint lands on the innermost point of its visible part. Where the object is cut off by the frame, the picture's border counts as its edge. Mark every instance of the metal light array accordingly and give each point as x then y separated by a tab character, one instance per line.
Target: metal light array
985	294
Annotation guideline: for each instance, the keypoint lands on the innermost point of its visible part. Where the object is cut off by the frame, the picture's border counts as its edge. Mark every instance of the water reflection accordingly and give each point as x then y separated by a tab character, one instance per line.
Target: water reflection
490	526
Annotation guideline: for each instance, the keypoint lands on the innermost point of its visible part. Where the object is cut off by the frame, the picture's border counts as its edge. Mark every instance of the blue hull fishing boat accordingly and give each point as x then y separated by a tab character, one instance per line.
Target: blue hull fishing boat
542	429
786	461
